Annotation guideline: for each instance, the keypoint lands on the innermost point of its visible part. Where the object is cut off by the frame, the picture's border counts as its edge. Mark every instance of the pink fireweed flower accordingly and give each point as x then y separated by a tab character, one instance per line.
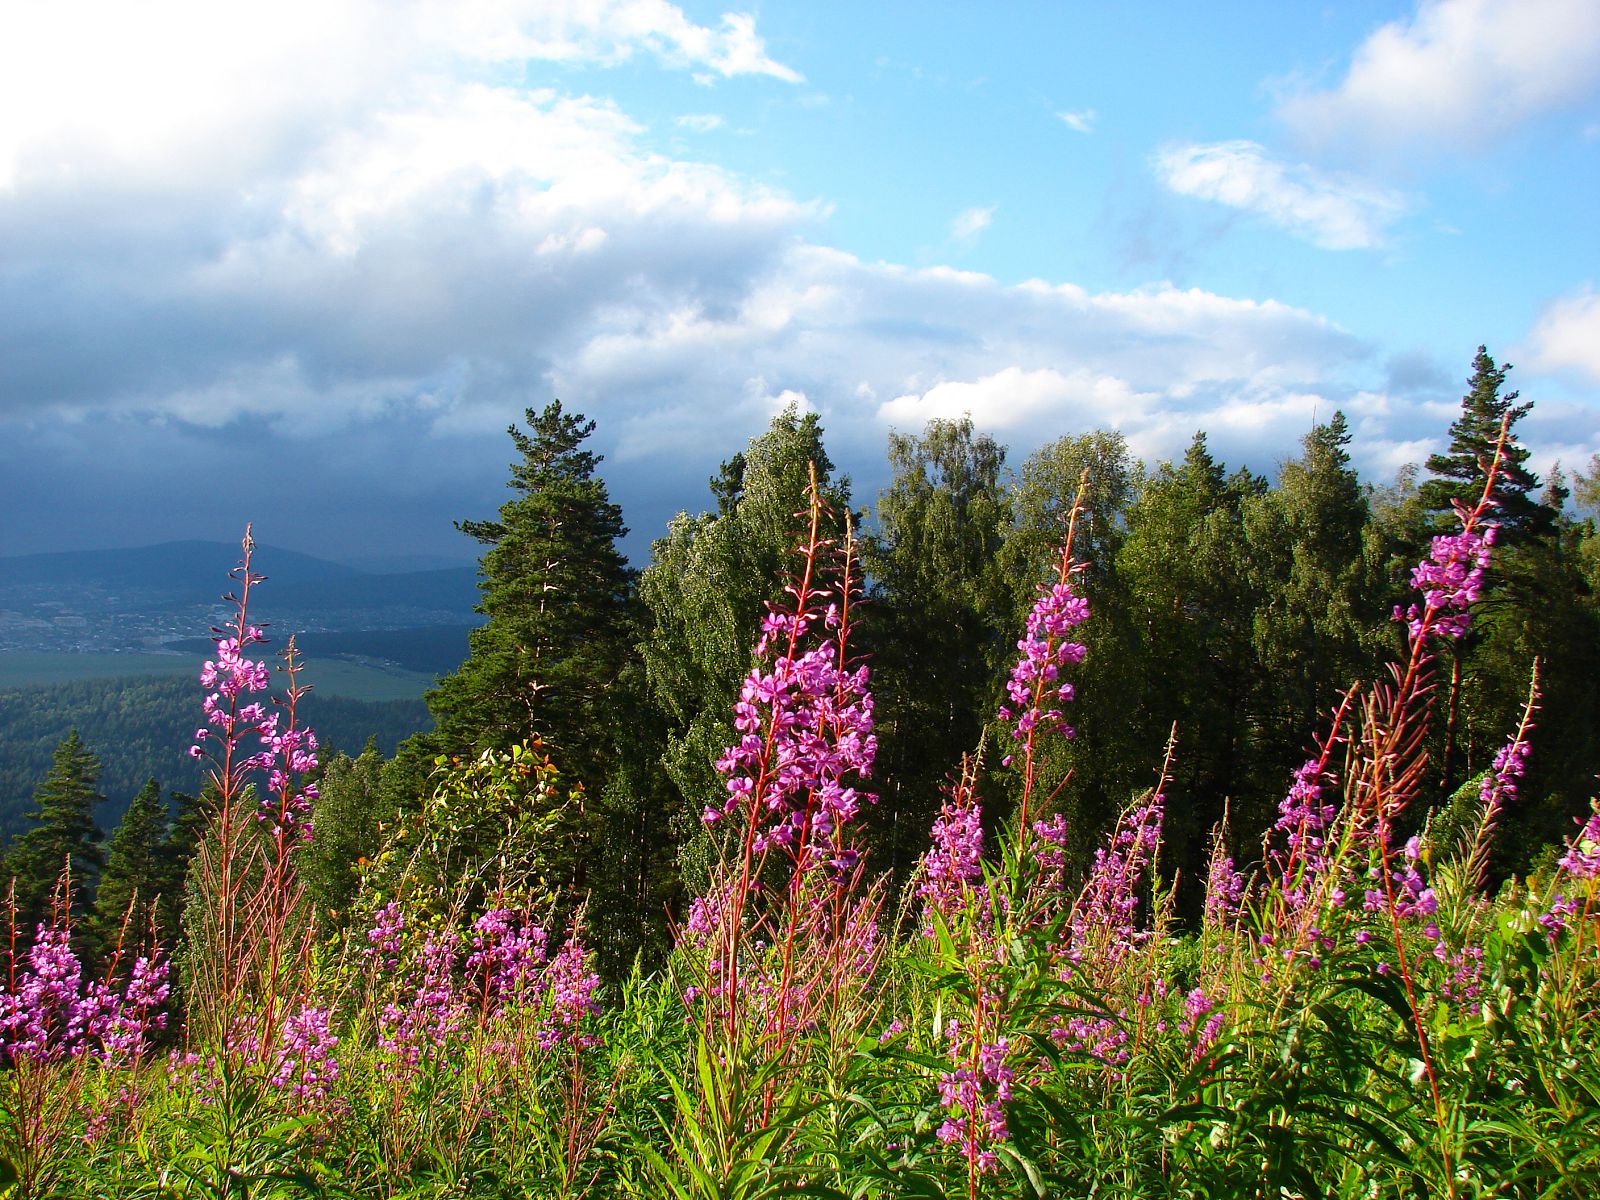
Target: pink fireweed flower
426	1008
1450	580
1224	889
48	1012
974	1094
1035	686
506	954
804	721
568	985
1582	857
284	752
385	936
951	876
1413	898
1510	764
1108	906
1197	1005
306	1065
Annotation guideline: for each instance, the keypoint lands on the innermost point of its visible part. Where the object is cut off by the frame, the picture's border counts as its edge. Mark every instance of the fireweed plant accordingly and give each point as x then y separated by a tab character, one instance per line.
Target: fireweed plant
777	962
1349	1014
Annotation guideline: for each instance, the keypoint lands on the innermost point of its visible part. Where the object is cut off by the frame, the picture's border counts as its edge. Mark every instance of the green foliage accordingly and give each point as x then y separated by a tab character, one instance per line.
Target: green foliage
504	822
62	836
351	815
131	886
709	581
1187	567
557	595
939	619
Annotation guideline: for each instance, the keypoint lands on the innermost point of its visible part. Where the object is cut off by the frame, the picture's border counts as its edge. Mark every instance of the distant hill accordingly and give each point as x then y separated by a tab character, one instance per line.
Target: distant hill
152	596
182	572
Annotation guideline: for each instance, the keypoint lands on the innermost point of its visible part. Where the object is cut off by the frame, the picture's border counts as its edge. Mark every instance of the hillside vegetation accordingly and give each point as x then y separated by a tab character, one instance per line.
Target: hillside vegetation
1092	829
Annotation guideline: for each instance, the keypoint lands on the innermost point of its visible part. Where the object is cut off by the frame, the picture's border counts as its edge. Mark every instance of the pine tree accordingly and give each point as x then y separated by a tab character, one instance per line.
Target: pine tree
131	885
63	834
559	601
1458	473
1186	564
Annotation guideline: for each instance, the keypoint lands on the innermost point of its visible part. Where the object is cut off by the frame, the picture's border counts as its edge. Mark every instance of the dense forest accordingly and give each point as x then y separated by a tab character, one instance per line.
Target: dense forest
139	728
1042	711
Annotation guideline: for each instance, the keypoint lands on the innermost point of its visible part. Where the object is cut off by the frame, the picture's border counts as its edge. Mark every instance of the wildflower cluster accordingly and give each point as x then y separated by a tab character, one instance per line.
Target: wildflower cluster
48	1012
805	732
974	1094
438	983
285	751
951	876
1450	580
1035	685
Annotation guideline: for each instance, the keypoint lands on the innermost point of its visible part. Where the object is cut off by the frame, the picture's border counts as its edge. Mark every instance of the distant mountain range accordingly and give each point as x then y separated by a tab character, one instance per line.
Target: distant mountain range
151	596
196	571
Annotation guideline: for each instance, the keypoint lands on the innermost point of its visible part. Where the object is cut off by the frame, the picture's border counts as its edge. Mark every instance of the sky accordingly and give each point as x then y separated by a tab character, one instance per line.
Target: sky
301	264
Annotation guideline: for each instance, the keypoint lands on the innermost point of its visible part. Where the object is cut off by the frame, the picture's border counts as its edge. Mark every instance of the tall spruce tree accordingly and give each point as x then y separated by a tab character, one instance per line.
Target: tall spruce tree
131	887
63	835
1185	562
559	601
1524	525
1312	632
1458	473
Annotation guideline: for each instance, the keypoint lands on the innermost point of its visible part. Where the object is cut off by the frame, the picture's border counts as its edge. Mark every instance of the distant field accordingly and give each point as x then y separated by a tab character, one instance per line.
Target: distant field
330	677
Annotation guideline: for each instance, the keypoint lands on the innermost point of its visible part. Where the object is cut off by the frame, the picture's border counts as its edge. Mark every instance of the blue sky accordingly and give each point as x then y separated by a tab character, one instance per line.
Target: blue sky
301	264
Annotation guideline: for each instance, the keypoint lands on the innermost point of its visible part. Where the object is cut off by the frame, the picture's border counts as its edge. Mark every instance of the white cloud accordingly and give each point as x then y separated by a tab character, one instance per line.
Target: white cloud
365	252
1567	335
1458	74
1081	120
602	31
1337	212
167	88
970	222
700	122
1013	398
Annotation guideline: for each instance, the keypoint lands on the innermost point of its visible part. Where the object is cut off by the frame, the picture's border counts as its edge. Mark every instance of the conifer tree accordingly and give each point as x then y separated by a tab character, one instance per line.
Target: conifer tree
1186	564
350	810
1317	601
1458	473
558	598
131	886
184	831
63	834
1523	522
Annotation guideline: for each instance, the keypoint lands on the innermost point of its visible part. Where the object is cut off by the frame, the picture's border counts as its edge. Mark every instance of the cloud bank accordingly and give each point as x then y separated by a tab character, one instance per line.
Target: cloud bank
1458	75
318	299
